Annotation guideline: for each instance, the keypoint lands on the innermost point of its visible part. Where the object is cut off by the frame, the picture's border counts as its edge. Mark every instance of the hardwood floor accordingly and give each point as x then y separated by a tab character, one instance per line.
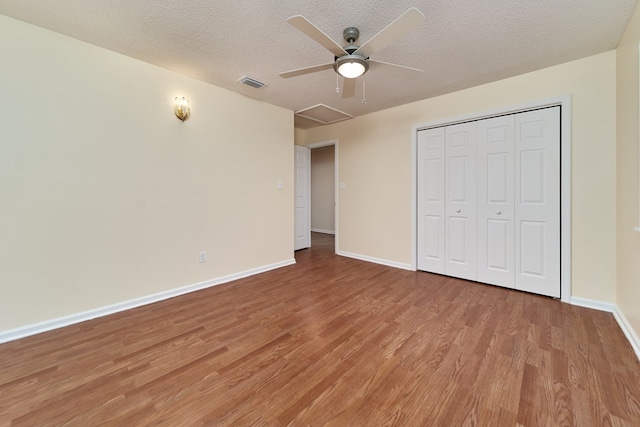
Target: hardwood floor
330	341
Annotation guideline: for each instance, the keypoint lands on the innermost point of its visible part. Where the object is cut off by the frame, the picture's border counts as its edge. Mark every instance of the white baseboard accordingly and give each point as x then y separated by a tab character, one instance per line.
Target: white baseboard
36	328
617	314
376	260
319	230
627	330
589	303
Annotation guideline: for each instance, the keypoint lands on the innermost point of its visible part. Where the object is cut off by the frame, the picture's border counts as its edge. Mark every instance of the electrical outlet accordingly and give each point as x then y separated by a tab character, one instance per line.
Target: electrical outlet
203	256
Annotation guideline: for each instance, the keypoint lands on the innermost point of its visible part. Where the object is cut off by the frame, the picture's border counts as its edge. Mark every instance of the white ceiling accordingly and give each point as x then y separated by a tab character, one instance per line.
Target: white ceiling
463	43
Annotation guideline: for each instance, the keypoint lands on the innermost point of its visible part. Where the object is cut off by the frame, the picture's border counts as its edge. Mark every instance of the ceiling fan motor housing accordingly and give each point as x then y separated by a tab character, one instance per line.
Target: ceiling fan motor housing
351	34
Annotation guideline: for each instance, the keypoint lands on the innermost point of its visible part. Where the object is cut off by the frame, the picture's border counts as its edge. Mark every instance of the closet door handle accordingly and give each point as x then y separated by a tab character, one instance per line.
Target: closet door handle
458	211
498	212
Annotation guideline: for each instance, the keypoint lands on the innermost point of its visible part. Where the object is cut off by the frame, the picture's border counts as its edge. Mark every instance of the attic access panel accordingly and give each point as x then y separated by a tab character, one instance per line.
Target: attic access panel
323	114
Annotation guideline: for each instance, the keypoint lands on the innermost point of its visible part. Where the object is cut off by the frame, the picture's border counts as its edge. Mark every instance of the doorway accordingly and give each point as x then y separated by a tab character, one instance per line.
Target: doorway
324	196
323	190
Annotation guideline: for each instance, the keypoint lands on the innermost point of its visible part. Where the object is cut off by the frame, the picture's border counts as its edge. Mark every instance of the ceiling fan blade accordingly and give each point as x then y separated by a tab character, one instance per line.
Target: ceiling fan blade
398	28
302	24
306	70
348	88
394	69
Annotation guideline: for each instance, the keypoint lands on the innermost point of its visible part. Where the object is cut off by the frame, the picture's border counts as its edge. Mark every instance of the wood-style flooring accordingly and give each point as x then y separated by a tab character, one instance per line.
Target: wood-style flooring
329	341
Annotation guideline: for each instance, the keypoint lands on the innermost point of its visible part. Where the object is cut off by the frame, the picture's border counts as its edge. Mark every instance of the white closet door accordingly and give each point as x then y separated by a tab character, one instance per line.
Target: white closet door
431	200
537	208
460	206
302	238
496	201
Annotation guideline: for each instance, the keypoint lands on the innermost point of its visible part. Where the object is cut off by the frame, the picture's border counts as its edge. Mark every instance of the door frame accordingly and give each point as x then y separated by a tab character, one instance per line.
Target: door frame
329	143
565	176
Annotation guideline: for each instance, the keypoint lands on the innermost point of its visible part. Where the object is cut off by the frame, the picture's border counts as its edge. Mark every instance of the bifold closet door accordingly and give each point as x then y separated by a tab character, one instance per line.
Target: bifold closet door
496	201
431	200
447	200
489	201
537	207
460	205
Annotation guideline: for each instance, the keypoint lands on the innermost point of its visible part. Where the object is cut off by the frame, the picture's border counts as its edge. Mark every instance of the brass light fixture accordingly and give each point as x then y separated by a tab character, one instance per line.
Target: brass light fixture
181	108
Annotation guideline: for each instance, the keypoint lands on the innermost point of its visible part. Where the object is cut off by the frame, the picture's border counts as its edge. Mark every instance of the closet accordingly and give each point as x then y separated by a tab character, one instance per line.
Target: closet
489	200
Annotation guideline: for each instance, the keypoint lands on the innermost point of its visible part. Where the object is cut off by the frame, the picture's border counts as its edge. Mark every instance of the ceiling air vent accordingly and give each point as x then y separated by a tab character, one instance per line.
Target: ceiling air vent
249	81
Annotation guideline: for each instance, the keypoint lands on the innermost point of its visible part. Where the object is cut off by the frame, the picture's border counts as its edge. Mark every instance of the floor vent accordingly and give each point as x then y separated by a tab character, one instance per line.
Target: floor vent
249	81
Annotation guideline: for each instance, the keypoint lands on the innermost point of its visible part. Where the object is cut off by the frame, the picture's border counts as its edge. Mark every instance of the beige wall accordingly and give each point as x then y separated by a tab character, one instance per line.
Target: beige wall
375	164
323	189
298	136
628	249
105	196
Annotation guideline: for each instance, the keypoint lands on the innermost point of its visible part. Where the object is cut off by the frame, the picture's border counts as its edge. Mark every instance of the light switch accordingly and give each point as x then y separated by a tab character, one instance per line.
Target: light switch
342	185
280	186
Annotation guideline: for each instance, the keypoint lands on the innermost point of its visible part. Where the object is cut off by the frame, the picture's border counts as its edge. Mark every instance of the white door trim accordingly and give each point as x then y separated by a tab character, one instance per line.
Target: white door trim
329	143
565	176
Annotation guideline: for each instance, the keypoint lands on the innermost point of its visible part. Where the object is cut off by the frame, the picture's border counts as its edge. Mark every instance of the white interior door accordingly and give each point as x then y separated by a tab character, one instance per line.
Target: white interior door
431	200
537	208
496	201
302	198
460	206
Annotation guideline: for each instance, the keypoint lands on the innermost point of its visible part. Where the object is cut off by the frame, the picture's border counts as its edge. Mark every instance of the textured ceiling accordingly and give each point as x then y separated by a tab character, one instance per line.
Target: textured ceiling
463	43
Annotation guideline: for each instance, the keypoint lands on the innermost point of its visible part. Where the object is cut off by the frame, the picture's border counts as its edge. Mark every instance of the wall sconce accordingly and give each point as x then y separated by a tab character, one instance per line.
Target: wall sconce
181	108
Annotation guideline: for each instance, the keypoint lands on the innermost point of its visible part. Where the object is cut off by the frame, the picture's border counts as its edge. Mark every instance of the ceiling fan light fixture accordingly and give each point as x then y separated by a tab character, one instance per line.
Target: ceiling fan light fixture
351	66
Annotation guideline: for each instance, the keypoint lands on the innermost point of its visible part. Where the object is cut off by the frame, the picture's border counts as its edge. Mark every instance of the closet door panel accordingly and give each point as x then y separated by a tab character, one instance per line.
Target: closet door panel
496	201
460	206
537	208
431	200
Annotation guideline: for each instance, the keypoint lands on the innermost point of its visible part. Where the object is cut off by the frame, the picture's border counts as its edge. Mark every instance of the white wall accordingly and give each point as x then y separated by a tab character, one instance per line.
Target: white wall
105	196
323	189
628	184
375	164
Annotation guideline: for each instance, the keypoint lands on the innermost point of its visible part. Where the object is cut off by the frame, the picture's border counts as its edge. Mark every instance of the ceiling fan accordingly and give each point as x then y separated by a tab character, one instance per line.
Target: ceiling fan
352	61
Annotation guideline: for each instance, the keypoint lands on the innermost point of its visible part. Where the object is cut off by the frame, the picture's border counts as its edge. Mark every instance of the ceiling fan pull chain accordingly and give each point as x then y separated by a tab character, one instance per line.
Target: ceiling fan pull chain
364	98
337	83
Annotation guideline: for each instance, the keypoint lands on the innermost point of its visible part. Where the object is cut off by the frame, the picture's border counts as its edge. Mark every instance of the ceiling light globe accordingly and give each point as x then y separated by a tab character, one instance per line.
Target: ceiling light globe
351	66
351	70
